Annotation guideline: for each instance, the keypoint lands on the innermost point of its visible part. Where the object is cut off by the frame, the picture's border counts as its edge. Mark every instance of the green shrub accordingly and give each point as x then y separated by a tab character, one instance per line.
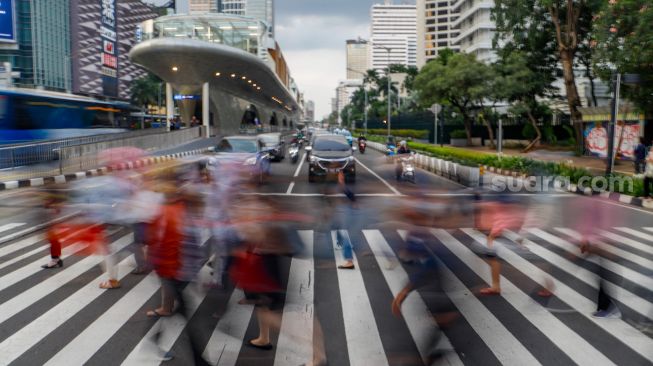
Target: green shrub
528	131
458	134
416	134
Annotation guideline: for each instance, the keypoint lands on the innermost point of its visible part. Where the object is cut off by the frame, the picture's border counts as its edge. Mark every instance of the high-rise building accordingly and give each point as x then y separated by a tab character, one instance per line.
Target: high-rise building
258	9
357	54
476	28
102	34
310	111
202	6
435	28
40	48
393	35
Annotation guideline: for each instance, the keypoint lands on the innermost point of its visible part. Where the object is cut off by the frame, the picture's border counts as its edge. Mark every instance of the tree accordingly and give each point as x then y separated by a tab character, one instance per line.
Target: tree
145	90
622	43
565	22
461	83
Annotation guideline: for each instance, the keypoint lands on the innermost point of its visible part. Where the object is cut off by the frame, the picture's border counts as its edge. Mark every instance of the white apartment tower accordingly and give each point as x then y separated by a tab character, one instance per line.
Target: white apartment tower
476	28
393	36
357	54
435	30
202	6
259	9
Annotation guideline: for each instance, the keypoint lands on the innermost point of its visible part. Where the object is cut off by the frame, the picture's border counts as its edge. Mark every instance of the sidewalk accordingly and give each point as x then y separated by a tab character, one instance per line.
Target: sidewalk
593	164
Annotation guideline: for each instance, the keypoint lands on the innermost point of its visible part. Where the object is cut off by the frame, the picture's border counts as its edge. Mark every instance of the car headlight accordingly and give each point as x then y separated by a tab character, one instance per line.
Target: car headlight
313	159
351	159
250	161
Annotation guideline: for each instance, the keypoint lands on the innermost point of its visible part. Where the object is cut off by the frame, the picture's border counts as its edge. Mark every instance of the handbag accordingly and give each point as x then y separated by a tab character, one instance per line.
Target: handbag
248	273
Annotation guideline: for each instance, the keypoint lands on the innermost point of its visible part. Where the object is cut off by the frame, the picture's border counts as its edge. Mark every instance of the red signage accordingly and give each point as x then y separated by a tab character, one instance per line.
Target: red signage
110	61
109	47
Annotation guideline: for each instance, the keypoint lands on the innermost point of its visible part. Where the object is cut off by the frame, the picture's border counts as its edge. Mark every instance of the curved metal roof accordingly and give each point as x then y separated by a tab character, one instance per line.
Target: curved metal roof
185	62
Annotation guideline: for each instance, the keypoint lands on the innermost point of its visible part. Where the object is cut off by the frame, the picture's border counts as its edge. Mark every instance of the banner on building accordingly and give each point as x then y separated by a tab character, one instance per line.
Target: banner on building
7	21
596	140
109	39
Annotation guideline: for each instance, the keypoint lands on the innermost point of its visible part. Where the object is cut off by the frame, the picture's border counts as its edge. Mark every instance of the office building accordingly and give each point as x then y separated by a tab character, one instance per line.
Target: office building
357	54
257	9
202	6
102	34
39	49
476	28
435	28
344	93
393	35
309	111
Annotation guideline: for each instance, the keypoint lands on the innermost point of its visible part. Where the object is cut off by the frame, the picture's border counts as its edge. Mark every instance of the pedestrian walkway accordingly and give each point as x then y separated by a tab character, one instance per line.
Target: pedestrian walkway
61	317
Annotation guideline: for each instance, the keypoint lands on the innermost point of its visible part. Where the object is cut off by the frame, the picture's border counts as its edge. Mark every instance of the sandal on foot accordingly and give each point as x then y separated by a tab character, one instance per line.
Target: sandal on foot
156	314
110	284
490	291
265	347
544	293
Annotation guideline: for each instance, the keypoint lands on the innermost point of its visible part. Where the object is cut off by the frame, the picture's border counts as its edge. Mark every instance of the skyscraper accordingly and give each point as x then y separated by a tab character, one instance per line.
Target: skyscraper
259	9
202	6
435	28
393	35
357	54
476	28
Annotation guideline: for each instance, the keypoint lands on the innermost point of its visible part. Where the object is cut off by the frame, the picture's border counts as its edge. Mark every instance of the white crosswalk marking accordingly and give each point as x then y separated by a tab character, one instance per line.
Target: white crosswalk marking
620	329
21	244
363	339
569	342
295	344
418	318
636	303
227	337
30	296
636	233
617	268
628	241
89	341
19	342
10	226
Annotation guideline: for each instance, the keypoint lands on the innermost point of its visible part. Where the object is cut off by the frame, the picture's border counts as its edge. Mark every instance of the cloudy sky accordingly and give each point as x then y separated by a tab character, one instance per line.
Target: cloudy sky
312	35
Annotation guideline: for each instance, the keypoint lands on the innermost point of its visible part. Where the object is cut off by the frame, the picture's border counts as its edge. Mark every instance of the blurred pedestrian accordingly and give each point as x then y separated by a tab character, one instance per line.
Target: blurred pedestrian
648	177
344	214
640	156
53	203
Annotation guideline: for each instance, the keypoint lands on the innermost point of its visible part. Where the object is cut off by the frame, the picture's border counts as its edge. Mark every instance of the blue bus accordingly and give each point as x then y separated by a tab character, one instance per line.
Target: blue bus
28	115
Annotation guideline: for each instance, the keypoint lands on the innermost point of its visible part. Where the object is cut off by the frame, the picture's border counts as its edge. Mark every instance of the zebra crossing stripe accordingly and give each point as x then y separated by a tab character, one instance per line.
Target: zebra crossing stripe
297	322
26	298
415	312
617	268
636	303
363	339
91	339
636	233
630	336
8	249
628	241
573	345
227	337
10	226
21	341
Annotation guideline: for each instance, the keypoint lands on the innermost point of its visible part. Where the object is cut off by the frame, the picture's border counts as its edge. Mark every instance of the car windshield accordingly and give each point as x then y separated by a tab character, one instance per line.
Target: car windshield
330	145
236	146
269	140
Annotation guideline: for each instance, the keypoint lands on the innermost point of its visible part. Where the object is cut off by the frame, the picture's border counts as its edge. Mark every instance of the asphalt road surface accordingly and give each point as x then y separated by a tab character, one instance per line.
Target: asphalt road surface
61	317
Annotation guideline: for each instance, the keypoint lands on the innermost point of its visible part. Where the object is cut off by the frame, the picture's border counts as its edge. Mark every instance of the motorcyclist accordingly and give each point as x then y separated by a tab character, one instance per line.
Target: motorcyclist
399	167
362	138
403	148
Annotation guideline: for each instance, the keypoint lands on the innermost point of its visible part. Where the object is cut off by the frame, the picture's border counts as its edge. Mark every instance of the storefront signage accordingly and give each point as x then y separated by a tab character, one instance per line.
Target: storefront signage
109	41
7	21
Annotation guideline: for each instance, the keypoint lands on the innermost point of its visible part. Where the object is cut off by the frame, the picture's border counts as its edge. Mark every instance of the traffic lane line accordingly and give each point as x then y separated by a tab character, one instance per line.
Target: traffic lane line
301	163
290	187
393	189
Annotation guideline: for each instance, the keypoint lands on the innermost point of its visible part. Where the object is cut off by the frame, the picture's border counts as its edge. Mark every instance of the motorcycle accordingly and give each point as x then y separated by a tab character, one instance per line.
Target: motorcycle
361	146
293	152
390	153
406	169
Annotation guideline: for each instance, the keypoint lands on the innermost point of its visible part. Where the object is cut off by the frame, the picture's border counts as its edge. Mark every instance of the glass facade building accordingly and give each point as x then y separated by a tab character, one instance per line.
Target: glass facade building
42	53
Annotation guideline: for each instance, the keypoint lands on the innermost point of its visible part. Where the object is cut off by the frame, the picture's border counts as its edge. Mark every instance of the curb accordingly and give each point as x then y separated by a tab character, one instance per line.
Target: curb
59	179
572	188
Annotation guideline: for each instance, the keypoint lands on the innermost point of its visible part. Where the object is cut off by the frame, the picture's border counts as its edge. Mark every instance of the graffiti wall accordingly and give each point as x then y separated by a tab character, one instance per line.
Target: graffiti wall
596	140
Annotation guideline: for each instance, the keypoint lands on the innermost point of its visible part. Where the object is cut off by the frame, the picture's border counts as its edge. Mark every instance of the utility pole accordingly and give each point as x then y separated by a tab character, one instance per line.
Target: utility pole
616	79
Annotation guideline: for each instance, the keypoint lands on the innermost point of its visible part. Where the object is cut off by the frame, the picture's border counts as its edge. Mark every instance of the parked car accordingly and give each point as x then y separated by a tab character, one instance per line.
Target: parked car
245	154
331	154
275	143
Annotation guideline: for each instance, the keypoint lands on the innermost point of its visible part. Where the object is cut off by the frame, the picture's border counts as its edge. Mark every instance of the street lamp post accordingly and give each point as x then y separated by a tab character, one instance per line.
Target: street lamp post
617	79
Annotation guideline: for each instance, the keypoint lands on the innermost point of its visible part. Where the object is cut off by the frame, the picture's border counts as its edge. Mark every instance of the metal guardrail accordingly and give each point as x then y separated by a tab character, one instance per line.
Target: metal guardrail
19	155
48	159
